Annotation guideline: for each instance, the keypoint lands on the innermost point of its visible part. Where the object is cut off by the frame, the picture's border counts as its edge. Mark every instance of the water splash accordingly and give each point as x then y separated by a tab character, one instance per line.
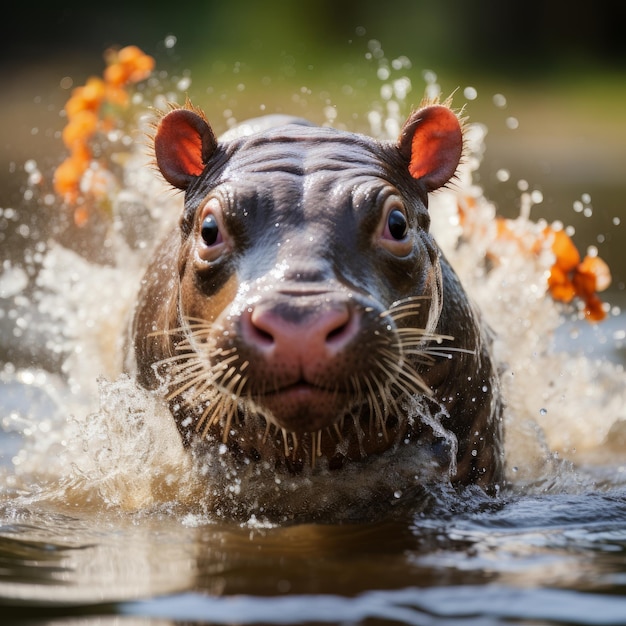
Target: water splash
90	437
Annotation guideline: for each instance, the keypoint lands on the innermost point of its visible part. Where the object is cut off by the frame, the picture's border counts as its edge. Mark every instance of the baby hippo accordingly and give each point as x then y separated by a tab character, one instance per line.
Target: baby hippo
302	315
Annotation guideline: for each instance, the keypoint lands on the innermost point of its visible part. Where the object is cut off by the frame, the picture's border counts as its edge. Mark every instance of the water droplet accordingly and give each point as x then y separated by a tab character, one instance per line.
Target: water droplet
503	175
499	100
543	411
470	93
386	92
429	76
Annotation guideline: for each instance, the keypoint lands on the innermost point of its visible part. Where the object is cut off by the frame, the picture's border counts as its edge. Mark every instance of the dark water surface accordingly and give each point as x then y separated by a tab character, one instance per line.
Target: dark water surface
548	558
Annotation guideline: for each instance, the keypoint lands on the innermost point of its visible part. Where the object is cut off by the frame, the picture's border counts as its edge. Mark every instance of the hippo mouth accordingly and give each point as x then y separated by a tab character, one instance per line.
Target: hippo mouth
303	407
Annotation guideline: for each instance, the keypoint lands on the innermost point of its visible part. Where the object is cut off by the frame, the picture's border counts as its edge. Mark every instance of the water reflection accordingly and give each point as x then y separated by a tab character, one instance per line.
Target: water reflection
55	559
506	559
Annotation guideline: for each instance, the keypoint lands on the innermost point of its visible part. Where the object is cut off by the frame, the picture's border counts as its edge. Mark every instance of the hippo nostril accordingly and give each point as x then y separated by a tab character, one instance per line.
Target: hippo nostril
336	332
297	332
341	327
258	329
264	336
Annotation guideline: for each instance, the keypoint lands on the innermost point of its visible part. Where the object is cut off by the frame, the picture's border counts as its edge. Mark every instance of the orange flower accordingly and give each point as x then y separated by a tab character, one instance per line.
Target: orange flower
130	64
591	276
570	277
89	97
594	309
82	125
138	64
117	95
566	258
85	116
595	266
67	177
560	285
81	216
115	75
566	253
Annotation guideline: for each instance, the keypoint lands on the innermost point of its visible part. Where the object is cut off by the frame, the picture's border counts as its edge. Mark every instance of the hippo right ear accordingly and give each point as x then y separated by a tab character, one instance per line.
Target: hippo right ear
183	144
432	142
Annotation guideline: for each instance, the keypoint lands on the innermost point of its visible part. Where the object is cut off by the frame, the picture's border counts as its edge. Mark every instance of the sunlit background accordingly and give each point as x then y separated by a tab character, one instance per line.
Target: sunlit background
559	67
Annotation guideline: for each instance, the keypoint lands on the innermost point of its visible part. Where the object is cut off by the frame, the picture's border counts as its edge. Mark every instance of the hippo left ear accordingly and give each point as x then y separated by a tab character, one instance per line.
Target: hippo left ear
432	142
183	143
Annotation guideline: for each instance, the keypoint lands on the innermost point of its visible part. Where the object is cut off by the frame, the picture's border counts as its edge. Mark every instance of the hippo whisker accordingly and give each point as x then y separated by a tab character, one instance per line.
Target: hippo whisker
397	370
377	405
410	302
418	336
374	407
403	309
428	354
286	434
316	446
296	444
213	411
415	341
219	384
232	409
359	434
185	375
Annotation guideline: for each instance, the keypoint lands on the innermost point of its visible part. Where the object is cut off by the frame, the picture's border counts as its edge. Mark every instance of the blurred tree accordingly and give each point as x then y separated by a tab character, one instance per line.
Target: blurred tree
493	35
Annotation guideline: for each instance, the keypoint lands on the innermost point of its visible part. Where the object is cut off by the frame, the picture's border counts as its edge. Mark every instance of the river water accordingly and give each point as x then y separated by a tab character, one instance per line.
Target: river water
103	519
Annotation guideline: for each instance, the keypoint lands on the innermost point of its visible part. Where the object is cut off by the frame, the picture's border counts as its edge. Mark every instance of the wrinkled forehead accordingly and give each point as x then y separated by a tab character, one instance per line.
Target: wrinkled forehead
299	173
312	154
296	172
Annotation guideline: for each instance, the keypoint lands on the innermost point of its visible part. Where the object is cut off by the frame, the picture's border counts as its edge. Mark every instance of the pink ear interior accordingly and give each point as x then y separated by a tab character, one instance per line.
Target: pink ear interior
182	145
432	139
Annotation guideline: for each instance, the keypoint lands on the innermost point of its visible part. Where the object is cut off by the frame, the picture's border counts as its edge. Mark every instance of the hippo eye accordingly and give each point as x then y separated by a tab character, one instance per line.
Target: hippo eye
210	231
212	240
394	231
397	224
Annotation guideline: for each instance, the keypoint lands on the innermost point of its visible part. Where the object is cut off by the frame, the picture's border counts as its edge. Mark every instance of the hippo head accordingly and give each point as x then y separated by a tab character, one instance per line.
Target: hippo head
309	289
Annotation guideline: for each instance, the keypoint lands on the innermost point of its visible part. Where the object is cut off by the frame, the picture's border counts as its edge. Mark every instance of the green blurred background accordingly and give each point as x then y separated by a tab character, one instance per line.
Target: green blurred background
560	65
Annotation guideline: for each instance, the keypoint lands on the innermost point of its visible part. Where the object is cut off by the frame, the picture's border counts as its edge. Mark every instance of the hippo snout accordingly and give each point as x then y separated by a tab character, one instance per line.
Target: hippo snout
302	350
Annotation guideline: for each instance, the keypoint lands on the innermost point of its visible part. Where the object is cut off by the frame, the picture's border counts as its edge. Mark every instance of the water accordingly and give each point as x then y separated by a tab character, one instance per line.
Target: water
103	518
